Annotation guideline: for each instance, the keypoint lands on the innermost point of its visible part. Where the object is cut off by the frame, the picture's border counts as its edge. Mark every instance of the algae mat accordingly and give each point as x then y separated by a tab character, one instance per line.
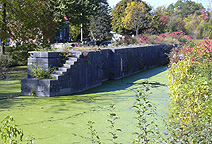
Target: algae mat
64	119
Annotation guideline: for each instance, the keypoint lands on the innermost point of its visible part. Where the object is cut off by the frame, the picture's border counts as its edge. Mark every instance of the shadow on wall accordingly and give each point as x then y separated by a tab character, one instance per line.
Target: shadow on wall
125	82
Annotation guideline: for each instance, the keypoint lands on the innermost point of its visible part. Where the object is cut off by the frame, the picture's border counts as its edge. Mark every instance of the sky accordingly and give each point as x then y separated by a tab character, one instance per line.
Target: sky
154	3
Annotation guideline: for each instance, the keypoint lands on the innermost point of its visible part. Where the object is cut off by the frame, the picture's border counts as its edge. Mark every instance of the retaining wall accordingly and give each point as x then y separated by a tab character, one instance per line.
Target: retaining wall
92	68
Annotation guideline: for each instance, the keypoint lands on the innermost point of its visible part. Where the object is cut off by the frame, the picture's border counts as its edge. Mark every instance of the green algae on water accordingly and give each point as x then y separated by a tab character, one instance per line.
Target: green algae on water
63	119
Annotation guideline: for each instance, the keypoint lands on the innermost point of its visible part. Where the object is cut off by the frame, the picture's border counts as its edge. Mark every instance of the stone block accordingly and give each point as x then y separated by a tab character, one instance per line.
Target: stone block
28	85
32	60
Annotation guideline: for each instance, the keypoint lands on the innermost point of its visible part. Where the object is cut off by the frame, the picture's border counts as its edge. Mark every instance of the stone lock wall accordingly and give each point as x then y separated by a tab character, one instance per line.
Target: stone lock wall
89	69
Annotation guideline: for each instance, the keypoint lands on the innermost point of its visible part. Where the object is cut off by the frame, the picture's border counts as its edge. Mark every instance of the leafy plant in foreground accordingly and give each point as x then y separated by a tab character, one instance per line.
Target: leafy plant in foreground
9	132
93	133
146	112
113	117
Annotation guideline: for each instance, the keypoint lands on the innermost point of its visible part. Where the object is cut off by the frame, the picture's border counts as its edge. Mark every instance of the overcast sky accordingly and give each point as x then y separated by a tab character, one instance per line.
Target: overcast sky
154	3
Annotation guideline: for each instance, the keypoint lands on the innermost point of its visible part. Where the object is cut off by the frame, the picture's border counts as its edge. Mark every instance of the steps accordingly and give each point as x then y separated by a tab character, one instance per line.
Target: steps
71	59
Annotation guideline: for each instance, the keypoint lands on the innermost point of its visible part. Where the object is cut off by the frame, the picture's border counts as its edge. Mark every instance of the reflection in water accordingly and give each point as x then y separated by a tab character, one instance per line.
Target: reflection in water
63	119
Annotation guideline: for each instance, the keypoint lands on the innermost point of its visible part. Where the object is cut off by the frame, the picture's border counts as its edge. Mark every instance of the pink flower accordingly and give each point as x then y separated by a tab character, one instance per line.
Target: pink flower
65	17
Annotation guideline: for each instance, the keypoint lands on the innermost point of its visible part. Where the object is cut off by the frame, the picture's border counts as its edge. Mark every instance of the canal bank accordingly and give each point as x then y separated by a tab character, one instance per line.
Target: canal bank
82	70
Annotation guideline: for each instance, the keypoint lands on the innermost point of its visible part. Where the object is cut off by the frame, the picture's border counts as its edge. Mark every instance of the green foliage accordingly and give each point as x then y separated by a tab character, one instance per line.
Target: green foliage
146	116
190	93
28	22
173	17
93	133
187	7
10	134
19	53
198	26
126	20
117	14
5	63
30	140
33	92
173	24
40	72
100	24
78	12
113	116
136	16
74	32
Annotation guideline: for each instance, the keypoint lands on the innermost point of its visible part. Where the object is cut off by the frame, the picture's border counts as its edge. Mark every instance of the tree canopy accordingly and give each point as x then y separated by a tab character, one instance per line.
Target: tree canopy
136	16
27	21
119	12
79	11
100	24
184	8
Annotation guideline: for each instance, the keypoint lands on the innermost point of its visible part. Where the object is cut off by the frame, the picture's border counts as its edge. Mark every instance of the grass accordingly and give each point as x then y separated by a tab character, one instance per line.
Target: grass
12	86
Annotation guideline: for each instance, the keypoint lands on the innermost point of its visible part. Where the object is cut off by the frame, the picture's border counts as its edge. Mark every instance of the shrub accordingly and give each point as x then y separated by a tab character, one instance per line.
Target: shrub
127	40
189	87
143	39
11	134
5	63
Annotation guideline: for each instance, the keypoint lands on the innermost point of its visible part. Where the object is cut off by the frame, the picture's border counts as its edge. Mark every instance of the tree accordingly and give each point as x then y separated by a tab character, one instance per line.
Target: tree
3	27
184	8
117	14
164	20
171	9
100	24
78	12
27	22
74	32
198	26
137	16
173	24
29	25
156	24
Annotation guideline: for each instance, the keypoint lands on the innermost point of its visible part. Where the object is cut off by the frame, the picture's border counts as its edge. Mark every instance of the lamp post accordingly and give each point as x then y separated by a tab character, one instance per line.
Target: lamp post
81	30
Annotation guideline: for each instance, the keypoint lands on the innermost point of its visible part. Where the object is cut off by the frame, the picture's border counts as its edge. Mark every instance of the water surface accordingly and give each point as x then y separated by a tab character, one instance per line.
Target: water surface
64	119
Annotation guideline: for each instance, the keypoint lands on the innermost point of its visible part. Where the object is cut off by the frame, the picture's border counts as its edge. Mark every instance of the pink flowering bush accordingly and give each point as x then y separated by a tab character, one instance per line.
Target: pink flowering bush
143	39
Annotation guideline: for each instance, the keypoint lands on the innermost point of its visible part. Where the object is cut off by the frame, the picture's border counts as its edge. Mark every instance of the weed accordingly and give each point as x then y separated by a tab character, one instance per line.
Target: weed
40	72
113	116
146	116
93	133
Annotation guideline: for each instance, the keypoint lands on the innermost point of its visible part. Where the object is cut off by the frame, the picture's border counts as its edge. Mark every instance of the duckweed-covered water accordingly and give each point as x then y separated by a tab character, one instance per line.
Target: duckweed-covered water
63	120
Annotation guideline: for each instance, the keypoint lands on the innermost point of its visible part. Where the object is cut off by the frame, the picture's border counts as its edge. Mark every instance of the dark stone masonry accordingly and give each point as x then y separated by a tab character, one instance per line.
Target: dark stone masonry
88	69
